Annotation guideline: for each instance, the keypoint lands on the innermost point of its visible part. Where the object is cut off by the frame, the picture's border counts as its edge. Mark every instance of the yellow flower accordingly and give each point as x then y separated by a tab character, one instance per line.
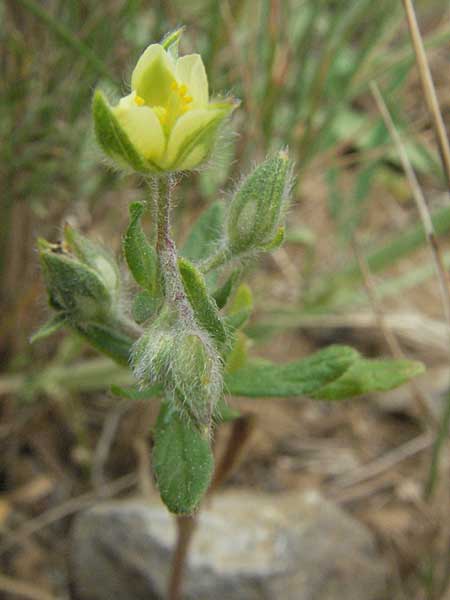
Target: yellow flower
167	122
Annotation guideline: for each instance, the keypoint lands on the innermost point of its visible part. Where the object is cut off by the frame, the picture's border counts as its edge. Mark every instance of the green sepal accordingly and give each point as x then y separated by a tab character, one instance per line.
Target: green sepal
107	340
203	305
205	233
206	137
144	306
222	293
335	373
182	459
112	138
171	41
276	242
139	253
95	256
53	325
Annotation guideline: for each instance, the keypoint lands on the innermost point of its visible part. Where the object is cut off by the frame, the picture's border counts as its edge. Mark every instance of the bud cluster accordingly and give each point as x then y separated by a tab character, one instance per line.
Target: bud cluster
185	363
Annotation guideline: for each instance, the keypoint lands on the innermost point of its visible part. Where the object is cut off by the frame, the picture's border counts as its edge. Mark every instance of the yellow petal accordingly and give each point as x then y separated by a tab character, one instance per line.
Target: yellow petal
192	138
153	76
191	71
142	127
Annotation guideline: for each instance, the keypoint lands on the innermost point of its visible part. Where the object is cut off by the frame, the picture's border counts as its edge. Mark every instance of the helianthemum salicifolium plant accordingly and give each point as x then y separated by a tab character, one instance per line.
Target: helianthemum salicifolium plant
184	338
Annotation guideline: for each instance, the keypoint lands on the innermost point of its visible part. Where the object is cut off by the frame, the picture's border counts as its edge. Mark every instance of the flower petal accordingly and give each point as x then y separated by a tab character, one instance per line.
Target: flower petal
153	76
192	138
191	71
142	127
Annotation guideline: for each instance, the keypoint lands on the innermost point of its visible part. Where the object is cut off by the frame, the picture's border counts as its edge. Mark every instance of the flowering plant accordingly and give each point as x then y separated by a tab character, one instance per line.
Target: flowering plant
185	340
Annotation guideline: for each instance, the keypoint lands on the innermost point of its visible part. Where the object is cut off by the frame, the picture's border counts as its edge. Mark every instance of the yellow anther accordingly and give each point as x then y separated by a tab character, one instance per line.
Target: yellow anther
139	101
185	108
186	99
174	86
183	89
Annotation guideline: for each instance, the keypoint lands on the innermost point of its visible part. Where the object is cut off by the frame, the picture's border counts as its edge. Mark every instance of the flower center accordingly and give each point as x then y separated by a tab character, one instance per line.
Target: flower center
178	103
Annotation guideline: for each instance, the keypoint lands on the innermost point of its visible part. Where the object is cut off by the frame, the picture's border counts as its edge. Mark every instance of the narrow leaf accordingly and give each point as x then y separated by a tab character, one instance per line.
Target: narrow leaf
182	460
204	306
107	340
302	377
222	294
144	306
367	375
139	253
336	373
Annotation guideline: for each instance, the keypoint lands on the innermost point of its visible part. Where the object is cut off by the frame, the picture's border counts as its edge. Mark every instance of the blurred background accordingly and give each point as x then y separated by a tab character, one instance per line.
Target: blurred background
355	267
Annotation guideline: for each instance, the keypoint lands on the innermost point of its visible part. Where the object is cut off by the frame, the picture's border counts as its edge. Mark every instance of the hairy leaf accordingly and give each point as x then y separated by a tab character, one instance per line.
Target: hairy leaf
204	306
335	373
139	253
182	460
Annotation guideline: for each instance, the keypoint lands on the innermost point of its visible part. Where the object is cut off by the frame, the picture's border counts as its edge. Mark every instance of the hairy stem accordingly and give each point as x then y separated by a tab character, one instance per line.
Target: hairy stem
168	257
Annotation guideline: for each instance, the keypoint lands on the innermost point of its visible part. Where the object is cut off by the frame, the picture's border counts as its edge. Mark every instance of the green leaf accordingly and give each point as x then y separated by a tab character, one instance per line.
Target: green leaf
144	306
111	137
335	373
107	340
262	378
222	294
52	326
205	234
367	375
139	253
204	306
182	461
132	393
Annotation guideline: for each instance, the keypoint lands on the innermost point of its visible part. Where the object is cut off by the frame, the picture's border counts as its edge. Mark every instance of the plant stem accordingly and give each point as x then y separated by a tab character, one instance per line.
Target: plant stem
168	257
186	525
185	529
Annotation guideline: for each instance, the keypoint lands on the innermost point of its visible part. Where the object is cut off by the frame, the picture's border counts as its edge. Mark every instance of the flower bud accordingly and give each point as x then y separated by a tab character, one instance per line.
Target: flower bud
150	358
256	212
74	287
197	377
185	363
95	256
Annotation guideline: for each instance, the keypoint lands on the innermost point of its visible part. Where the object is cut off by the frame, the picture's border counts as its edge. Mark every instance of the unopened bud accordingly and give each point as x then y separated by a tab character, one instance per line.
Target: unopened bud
197	377
73	286
257	209
95	256
151	355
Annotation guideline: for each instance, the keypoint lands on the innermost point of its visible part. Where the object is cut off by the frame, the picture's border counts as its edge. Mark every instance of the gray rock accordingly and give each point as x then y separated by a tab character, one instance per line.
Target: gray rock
248	546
